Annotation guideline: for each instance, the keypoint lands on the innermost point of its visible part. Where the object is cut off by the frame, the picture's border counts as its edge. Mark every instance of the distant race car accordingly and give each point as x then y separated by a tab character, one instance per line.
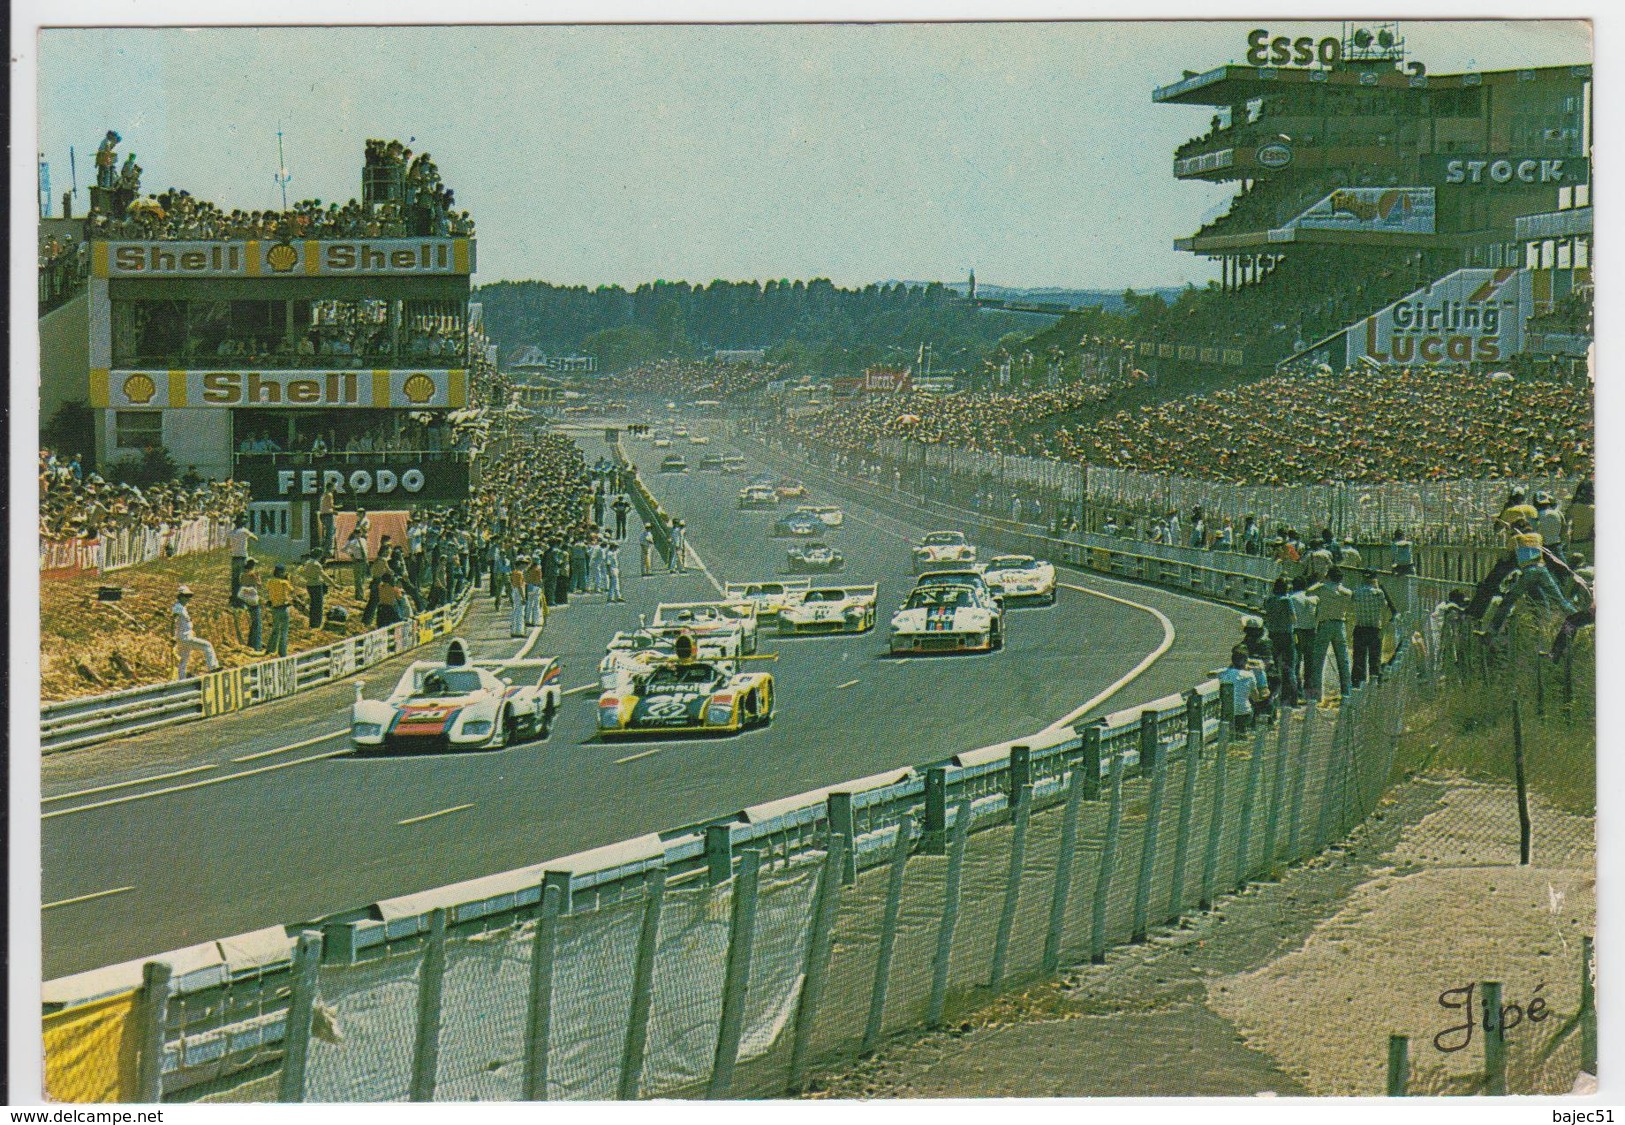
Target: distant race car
791	489
947	617
711	619
798	524
758	496
806	557
940	547
711	463
634	653
828	513
673	464
687	696
662	443
699	439
680	431
460	704
1022	576
733	463
832	609
770	598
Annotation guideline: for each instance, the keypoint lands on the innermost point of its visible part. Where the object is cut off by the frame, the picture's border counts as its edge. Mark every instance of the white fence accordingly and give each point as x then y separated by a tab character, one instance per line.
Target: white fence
131	546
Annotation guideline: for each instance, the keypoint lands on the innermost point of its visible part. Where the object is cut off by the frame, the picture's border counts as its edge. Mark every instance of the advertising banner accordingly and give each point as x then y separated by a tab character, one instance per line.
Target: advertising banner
321	390
369	480
1470	317
345	257
1394	210
1495	171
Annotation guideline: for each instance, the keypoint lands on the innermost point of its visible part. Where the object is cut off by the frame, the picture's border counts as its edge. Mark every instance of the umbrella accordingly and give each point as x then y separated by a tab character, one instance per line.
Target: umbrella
147	206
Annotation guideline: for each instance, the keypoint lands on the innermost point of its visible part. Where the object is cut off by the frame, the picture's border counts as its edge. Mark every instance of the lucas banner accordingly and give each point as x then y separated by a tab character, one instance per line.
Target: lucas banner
1472	317
403	389
1394	210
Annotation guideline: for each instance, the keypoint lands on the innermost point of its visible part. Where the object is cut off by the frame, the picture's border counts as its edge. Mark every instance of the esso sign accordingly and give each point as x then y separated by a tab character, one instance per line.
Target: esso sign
1263	50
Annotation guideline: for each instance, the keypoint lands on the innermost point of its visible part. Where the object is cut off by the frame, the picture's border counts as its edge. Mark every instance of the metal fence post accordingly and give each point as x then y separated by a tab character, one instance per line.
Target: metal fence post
838	808
539	1011
431	978
1227	710
1090	762
934	828
1063	871
816	973
736	974
1300	777
888	932
155	979
1495	1042
1150	754
1021	773
1399	1065
950	914
1522	782
643	972
307	959
1215	826
1012	884
1108	860
1249	798
718	853
1272	814
1187	802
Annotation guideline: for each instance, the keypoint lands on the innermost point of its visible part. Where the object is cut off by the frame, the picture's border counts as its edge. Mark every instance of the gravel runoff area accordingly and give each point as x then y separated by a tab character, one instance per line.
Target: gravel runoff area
1292	988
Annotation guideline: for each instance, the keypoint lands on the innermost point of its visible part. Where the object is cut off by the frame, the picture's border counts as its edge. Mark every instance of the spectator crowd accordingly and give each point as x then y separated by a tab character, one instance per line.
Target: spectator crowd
75	504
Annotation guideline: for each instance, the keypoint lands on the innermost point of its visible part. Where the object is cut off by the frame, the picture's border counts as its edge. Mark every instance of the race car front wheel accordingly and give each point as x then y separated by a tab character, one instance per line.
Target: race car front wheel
545	727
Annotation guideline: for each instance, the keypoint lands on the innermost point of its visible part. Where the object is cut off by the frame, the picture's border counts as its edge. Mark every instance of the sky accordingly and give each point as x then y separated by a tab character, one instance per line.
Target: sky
595	155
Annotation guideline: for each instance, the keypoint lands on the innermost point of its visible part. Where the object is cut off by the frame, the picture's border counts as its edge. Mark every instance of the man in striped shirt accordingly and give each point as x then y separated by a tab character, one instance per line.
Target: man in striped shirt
1370	603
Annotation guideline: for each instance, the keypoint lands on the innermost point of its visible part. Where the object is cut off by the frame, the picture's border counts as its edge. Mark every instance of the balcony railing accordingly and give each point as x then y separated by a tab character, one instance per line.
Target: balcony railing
331	460
1554	224
282	361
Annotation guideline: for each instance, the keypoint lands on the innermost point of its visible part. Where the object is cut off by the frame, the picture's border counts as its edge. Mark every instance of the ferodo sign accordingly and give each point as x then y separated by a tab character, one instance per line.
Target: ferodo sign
401	389
1472	316
364	477
352	257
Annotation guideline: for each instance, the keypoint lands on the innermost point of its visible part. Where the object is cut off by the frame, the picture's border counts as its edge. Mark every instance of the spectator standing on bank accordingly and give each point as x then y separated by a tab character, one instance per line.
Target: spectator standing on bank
389	601
355	549
186	641
535	596
519	589
248	594
648	544
1583	520
1533	576
376	571
597	578
679	547
578	567
1350	558
315	579
1332	604
621	507
1404	554
327	509
561	562
240	541
499	574
1550	523
612	570
1245	687
279	596
1280	620
1371	608
1252	539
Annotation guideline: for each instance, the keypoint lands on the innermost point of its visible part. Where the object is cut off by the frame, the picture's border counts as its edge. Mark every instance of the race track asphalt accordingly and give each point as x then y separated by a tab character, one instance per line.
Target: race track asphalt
212	829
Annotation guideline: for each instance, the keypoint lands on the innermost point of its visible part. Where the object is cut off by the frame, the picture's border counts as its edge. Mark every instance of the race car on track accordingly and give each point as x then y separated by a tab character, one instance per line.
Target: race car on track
711	463
460	704
1022	576
947	617
634	653
673	464
679	696
711	619
832	609
699	439
758	496
791	489
770	598
662	443
804	558
798	524
828	513
940	547
733	463
968	576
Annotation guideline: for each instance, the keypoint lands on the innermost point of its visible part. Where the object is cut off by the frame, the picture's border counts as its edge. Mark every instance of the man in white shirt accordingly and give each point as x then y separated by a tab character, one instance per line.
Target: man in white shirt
240	540
187	642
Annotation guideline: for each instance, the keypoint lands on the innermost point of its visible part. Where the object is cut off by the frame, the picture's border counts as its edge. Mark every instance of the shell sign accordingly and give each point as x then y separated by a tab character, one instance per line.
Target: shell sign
399	389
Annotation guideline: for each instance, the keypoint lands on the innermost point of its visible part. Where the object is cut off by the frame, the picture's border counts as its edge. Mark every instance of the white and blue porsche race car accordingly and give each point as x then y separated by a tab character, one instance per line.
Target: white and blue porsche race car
1022	576
948	617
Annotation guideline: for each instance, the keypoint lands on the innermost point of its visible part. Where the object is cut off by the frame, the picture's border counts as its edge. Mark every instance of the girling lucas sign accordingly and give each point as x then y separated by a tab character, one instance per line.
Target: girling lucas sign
1470	317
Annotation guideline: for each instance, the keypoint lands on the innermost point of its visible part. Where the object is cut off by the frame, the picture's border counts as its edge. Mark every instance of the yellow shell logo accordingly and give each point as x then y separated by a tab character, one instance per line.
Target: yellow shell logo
282	257
419	389
139	389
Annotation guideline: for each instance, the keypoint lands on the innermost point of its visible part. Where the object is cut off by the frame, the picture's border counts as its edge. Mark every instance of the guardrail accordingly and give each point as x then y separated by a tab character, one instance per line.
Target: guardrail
516	972
74	723
650	511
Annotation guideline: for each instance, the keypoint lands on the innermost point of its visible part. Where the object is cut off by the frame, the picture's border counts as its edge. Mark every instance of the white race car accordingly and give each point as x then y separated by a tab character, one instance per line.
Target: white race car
460	704
1022	576
769	597
947	617
941	547
632	654
832	609
711	619
758	496
828	513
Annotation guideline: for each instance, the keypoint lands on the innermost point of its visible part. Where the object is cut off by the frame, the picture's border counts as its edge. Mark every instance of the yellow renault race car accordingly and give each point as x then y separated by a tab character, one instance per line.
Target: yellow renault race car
687	697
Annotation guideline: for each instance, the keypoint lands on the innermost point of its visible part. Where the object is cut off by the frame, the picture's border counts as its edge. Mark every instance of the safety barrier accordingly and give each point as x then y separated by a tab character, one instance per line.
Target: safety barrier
130	546
726	958
650	511
73	723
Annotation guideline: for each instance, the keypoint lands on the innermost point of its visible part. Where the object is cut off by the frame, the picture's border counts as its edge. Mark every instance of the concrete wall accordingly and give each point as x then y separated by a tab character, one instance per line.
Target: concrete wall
64	340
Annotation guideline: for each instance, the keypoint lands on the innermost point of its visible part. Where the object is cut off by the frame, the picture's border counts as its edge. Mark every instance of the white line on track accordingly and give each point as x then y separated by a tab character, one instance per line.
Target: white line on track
721	590
432	815
293	745
1128	677
85	898
582	688
125	784
530	641
640	754
848	684
195	784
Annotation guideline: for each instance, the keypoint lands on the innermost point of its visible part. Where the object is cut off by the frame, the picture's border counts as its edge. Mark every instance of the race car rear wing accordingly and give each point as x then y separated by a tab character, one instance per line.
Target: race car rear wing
737	610
869	594
742	591
545	670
